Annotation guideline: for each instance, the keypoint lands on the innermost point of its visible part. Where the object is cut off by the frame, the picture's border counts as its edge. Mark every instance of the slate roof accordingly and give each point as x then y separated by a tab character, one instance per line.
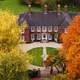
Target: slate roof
49	19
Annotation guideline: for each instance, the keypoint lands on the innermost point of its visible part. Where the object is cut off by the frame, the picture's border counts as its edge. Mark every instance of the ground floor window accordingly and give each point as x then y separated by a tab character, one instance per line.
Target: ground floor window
32	37
56	35
49	37
44	37
38	36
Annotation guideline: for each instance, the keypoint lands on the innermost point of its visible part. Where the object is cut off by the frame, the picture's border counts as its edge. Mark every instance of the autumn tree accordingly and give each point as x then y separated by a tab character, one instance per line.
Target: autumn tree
71	48
12	59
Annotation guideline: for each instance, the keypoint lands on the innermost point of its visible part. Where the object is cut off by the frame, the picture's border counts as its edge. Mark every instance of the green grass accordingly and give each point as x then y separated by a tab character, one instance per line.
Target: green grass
52	51
15	6
37	54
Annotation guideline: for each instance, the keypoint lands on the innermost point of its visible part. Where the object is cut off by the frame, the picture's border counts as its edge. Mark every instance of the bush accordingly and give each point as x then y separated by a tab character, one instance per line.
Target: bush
12	59
51	4
59	77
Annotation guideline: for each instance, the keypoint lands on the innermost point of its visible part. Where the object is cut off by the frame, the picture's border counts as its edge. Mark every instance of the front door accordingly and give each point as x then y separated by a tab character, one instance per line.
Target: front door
44	37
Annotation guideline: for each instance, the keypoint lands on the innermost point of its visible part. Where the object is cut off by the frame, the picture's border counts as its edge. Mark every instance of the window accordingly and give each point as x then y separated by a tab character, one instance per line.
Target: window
56	29
32	28
44	28
38	36
38	28
32	37
49	28
49	37
56	35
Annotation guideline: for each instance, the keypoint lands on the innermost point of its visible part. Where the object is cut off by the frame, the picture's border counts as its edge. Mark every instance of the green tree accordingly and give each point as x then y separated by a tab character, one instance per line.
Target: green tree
51	3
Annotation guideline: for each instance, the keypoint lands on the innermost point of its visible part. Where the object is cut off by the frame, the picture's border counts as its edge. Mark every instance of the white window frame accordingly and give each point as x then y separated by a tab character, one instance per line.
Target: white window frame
32	37
44	28
55	28
56	37
38	28
38	36
32	28
49	37
50	29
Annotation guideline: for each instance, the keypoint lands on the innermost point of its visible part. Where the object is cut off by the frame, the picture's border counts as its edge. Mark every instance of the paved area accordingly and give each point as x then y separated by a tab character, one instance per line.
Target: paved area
44	71
27	47
44	55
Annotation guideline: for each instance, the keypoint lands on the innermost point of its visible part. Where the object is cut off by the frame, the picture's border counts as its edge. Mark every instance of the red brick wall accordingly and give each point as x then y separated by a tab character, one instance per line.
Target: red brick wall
27	35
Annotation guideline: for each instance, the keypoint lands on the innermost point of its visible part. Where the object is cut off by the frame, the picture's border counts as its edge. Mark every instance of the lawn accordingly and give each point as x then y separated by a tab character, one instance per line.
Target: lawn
15	6
37	54
52	51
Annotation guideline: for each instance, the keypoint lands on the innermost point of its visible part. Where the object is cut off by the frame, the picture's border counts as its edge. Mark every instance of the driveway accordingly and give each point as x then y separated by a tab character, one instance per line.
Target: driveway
27	47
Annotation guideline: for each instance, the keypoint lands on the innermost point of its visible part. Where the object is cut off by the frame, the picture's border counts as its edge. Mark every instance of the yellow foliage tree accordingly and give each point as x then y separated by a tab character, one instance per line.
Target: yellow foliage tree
9	31
12	59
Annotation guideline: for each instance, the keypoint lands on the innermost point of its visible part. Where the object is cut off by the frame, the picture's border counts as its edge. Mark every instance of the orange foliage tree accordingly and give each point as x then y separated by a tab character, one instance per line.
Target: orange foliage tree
71	46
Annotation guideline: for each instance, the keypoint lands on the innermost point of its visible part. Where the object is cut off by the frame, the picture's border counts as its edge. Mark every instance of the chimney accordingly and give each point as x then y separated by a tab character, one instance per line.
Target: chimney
66	8
45	9
29	8
58	9
29	11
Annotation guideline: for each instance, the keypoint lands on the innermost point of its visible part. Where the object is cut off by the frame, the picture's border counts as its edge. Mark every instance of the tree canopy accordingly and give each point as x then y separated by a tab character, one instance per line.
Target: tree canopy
71	47
12	59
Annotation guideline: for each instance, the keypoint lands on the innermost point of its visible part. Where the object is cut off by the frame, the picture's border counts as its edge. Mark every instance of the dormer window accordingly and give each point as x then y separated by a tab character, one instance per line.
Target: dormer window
32	28
56	29
44	28
50	29
38	28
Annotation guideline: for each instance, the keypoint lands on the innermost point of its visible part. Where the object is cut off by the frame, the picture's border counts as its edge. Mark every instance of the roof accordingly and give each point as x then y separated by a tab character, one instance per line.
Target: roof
49	19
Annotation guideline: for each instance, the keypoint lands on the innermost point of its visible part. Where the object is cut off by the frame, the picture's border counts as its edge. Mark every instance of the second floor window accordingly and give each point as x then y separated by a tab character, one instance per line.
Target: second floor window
32	28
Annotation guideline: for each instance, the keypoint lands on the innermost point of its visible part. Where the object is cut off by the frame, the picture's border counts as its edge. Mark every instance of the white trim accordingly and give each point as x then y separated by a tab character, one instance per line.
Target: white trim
44	36
49	28
56	37
55	28
49	37
44	28
32	28
32	37
38	36
38	28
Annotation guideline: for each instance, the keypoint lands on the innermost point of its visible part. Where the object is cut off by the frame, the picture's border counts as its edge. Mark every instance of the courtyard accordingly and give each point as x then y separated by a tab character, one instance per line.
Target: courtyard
40	55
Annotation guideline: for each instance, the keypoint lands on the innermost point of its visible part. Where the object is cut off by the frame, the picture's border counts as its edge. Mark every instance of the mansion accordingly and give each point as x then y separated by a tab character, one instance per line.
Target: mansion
44	26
